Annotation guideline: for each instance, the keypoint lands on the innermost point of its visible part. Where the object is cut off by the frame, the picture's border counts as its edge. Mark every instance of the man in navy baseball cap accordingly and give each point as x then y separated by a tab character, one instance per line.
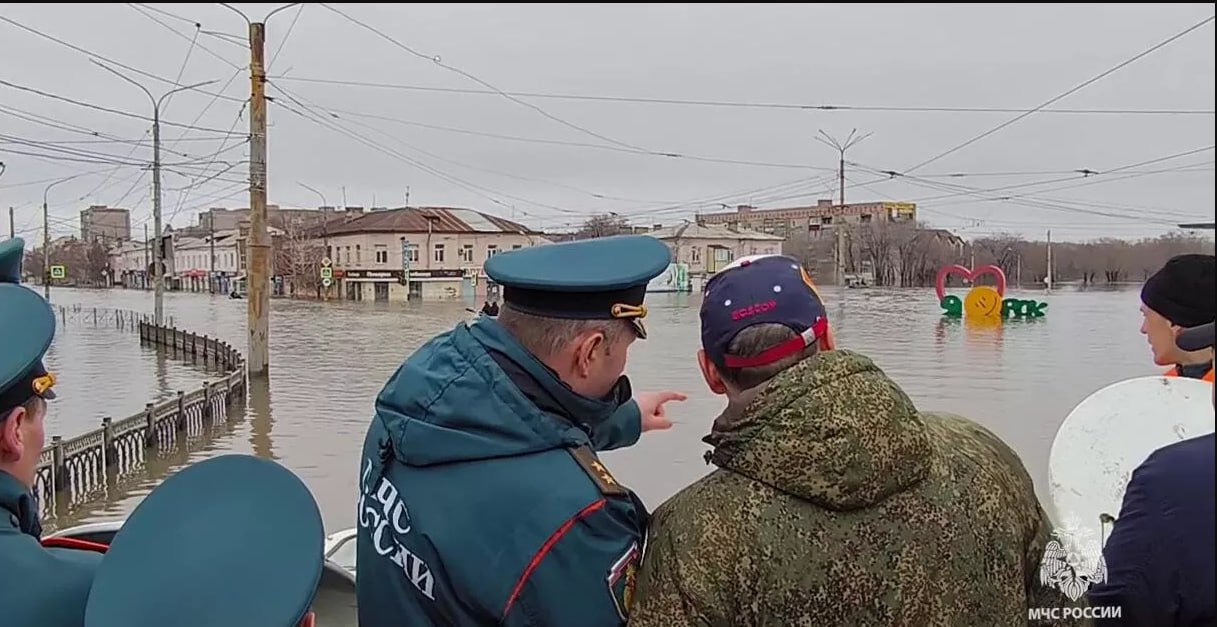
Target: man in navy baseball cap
824	465
774	296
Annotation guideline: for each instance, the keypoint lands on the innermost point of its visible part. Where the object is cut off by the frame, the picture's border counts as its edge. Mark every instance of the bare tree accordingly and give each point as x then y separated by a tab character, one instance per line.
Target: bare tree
298	257
603	225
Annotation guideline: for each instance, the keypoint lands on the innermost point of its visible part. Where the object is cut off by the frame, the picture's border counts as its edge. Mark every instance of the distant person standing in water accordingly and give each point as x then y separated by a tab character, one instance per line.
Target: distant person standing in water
1182	294
835	500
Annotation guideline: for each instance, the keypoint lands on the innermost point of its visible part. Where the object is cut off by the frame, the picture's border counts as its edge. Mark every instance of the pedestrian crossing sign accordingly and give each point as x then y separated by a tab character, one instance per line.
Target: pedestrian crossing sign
59	272
327	272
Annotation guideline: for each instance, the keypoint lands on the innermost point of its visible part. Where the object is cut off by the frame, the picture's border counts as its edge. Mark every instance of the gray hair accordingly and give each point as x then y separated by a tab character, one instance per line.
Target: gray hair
753	341
545	337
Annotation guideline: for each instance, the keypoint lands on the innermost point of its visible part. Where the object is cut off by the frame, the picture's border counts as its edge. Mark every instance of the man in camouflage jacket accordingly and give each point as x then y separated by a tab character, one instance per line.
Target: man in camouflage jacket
835	501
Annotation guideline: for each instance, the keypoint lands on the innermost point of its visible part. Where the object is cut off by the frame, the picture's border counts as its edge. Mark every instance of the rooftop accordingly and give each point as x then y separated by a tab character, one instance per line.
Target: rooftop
711	231
423	220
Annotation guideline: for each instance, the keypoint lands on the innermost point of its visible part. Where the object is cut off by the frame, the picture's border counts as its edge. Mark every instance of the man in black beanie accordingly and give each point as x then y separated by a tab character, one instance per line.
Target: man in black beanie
1180	295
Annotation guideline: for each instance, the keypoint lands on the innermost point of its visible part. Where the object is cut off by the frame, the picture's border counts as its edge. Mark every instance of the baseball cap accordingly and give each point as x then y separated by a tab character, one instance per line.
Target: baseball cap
760	289
1196	338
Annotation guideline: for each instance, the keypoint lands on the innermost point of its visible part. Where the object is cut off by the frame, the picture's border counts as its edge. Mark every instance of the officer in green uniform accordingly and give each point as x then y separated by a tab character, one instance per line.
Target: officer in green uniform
39	587
233	541
482	499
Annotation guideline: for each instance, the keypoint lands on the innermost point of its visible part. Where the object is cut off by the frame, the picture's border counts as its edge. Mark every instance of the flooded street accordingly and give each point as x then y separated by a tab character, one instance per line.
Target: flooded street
329	360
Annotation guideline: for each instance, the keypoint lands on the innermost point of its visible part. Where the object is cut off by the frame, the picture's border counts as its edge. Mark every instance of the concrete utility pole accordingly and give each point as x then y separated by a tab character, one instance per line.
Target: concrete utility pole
158	252
258	276
12	224
258	244
840	147
211	240
147	260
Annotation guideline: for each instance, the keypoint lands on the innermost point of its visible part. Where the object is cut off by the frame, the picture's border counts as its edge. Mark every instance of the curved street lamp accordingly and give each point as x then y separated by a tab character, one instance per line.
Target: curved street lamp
158	264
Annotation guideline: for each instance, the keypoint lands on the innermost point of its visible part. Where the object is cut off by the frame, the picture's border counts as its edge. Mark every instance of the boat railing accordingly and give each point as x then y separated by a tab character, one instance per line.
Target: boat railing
75	470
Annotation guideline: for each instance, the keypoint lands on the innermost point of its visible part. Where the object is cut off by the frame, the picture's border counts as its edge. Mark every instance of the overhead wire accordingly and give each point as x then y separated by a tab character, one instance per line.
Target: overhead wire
740	104
1065	94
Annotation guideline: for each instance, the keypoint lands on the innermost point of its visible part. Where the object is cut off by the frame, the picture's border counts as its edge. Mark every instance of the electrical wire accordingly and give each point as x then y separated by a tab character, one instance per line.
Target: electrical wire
729	104
1066	94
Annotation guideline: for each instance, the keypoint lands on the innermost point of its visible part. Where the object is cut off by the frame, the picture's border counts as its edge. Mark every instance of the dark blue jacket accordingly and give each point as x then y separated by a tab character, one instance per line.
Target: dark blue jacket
481	498
1160	556
39	587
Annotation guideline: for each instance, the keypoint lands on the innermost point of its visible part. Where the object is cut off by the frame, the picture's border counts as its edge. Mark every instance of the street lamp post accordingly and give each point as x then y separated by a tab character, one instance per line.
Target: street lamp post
325	221
158	253
46	236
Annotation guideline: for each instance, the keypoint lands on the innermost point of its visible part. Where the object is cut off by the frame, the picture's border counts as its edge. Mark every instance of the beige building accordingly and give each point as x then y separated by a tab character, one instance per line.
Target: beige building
418	253
108	225
706	248
822	216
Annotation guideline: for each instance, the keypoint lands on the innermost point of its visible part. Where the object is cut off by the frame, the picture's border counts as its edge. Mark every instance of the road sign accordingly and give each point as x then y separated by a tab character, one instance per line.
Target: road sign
327	272
326	262
326	282
59	272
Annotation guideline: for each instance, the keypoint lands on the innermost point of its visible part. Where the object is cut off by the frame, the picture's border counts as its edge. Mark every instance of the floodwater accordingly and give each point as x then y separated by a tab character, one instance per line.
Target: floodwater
329	361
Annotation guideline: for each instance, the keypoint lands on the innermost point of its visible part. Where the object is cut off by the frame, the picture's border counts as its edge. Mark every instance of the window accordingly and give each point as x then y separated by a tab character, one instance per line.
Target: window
696	254
357	259
466	253
517	246
491	250
826	220
439	253
382	254
348	254
865	218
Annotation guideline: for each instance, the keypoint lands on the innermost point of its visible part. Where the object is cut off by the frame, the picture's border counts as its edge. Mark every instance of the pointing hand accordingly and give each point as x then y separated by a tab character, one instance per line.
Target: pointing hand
653	414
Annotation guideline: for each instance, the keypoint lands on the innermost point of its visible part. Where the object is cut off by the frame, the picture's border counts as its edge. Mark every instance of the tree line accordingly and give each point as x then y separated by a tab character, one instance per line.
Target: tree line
909	254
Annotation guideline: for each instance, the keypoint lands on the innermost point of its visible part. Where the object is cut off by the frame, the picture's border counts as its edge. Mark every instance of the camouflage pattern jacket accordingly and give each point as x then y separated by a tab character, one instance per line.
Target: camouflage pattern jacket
836	502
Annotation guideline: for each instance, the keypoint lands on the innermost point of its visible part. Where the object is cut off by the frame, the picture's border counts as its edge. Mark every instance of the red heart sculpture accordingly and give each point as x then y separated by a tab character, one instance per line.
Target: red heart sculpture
970	276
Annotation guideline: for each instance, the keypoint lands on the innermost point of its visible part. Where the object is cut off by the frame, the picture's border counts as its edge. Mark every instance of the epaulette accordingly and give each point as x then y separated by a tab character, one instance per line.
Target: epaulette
600	475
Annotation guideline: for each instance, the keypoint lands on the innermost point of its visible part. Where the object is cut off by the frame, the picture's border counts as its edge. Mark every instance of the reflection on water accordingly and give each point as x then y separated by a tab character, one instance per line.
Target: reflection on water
329	361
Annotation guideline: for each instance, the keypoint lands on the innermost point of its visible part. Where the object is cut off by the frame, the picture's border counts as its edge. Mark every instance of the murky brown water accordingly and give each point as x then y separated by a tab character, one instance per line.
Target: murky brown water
329	360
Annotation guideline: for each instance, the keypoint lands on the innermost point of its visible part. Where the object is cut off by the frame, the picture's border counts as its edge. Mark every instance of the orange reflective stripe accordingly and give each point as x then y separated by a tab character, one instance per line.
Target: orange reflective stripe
1174	372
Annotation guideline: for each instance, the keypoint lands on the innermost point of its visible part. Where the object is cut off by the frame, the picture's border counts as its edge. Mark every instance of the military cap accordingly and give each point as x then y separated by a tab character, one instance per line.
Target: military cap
27	326
595	279
234	541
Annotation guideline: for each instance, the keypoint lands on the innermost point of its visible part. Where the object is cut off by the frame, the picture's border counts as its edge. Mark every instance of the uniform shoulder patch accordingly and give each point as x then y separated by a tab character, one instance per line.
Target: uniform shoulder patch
623	578
600	475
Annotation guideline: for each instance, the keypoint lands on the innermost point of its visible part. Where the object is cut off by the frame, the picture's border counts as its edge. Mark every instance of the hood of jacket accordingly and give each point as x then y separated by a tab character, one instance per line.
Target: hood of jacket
833	430
476	393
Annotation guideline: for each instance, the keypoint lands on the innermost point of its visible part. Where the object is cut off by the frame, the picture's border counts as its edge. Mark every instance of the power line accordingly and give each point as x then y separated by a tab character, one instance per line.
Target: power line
95	107
1067	93
193	41
438	62
90	53
729	104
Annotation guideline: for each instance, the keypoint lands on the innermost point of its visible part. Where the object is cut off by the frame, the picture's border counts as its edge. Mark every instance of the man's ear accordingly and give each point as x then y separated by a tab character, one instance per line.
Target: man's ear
585	351
10	433
709	372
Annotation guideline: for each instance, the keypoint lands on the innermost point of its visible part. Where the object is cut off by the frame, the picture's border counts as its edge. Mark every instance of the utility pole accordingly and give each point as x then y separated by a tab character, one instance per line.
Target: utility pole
147	261
46	236
158	252
12	225
211	238
258	275
1048	278
841	148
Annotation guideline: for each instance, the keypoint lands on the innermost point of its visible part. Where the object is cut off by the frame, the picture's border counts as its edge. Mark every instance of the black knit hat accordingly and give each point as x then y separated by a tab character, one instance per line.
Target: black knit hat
1184	291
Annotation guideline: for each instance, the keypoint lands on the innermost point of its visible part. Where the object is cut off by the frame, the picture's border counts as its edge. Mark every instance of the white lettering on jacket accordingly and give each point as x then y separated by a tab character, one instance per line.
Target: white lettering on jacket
385	515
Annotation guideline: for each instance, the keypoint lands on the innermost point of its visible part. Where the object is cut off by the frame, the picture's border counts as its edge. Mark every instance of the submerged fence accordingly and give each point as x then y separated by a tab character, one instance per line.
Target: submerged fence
76	470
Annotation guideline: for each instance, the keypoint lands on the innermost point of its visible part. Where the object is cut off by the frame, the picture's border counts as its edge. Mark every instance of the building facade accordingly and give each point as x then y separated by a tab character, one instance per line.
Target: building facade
822	216
107	225
417	253
704	249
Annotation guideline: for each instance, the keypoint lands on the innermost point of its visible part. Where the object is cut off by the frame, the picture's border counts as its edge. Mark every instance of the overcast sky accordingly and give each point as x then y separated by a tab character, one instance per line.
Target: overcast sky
548	161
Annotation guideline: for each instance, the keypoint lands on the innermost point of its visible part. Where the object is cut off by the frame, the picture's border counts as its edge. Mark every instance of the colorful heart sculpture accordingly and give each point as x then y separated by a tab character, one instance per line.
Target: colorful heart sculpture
969	275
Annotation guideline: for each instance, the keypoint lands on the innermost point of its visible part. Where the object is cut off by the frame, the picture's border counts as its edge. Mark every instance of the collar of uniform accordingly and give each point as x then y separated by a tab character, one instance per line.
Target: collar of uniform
733	415
17	506
548	391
